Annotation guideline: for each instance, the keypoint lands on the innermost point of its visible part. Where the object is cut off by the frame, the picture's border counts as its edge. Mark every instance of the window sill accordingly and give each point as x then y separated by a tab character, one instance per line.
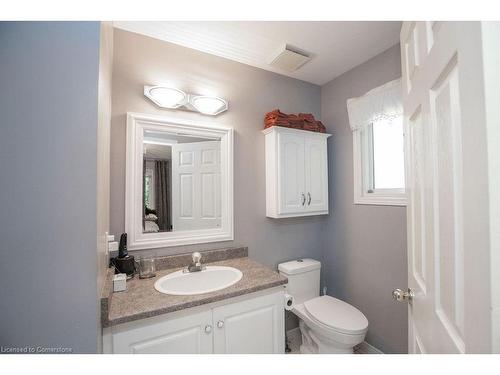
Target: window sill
381	200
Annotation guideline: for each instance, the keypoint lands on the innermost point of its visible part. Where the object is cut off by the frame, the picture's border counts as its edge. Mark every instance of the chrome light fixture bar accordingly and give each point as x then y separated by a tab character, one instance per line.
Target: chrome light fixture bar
172	98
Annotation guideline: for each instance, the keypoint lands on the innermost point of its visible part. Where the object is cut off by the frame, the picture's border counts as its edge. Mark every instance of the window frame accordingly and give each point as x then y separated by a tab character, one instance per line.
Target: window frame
364	178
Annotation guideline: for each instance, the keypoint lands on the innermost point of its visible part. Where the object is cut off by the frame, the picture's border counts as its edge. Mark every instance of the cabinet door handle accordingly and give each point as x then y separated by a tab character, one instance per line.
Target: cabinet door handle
303	199
308	199
208	328
220	324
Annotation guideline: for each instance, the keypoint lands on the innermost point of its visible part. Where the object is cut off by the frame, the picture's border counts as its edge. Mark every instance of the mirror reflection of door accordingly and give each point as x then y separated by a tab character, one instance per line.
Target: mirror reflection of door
181	183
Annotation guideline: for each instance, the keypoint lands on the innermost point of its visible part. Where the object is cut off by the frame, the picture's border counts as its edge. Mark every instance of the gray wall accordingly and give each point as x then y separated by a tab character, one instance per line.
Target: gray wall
364	255
103	146
48	103
139	60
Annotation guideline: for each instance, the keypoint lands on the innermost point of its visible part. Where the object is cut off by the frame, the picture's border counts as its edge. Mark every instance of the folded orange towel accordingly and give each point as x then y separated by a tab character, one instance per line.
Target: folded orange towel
304	121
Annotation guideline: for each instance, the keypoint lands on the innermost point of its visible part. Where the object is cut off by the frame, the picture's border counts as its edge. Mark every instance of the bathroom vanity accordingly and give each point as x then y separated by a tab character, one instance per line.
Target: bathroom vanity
247	317
179	191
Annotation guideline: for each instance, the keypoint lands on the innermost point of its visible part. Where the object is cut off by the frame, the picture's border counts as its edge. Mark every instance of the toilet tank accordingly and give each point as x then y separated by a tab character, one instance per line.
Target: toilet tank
303	278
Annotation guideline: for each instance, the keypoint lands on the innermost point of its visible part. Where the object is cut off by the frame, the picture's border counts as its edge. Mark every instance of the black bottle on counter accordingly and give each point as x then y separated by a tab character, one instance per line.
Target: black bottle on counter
124	263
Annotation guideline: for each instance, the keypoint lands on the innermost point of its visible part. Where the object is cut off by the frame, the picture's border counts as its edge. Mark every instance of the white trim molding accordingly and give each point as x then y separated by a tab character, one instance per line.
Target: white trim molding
137	123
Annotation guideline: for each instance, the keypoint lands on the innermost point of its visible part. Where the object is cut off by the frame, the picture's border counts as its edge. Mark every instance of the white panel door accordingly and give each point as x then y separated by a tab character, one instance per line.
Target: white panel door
254	326
196	192
291	164
191	334
448	249
316	174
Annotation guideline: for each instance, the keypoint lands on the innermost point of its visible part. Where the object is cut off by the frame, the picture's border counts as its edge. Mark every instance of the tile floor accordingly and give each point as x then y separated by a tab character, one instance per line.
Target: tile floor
294	341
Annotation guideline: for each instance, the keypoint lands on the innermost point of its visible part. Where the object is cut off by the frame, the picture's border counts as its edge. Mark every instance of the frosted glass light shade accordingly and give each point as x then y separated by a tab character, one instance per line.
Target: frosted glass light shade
165	97
172	98
208	105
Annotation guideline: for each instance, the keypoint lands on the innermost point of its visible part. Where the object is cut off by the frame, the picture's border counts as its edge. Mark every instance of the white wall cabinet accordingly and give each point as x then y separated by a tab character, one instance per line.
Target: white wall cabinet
296	172
247	324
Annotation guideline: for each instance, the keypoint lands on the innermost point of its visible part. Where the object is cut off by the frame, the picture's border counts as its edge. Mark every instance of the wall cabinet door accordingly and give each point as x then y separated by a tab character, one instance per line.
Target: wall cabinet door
291	183
187	334
316	174
251	326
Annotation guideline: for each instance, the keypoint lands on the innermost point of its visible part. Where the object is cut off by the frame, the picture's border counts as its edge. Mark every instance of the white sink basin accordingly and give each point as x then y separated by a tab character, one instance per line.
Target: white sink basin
209	280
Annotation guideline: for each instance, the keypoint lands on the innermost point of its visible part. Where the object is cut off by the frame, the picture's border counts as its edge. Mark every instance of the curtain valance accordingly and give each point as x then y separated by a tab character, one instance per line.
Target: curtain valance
381	103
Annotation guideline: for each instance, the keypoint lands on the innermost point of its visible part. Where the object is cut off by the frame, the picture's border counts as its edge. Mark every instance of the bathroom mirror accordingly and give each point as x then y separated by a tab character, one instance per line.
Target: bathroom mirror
179	182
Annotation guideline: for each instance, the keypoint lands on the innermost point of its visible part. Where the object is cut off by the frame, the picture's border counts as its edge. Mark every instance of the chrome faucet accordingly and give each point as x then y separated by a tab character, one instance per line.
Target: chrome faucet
195	265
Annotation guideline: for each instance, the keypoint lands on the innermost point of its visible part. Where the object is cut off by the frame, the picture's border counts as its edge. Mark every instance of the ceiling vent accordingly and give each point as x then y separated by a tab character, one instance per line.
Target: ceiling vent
290	59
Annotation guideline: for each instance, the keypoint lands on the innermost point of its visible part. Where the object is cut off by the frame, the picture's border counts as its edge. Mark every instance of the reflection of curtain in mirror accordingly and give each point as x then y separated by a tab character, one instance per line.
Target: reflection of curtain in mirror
143	191
162	194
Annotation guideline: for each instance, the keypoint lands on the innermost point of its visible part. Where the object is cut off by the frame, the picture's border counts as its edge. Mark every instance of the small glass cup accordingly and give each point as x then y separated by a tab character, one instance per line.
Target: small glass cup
147	267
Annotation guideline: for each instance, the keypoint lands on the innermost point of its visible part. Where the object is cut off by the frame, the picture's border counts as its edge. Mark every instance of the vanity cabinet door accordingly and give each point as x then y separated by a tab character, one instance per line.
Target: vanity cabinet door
316	174
189	334
252	326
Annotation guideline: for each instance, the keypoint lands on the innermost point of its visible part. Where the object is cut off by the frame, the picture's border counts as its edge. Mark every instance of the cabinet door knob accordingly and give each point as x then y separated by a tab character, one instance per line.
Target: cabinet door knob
208	328
220	324
303	199
308	199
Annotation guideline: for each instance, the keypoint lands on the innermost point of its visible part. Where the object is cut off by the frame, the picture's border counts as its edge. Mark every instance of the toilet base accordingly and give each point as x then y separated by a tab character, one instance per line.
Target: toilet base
313	342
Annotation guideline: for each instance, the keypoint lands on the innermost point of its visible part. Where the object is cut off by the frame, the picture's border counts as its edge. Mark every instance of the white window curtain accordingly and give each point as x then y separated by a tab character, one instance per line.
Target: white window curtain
381	103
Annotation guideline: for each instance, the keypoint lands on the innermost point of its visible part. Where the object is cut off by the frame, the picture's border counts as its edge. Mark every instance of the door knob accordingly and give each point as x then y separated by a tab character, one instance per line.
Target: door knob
402	295
220	324
208	328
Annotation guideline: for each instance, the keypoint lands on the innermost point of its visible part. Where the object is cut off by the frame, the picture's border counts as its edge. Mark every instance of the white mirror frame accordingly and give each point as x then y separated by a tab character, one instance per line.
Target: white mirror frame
137	123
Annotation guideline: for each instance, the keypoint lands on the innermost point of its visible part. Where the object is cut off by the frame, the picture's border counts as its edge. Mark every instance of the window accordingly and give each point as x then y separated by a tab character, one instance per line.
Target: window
378	145
379	155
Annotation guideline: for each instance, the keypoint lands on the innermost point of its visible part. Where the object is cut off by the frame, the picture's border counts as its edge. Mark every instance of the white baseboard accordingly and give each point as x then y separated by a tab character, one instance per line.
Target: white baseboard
365	348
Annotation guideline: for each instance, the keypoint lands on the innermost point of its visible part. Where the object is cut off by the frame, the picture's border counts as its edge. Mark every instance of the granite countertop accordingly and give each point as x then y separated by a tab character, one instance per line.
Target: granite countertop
142	300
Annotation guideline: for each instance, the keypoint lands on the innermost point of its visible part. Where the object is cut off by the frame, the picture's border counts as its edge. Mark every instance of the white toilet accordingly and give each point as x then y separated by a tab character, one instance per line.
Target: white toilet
327	324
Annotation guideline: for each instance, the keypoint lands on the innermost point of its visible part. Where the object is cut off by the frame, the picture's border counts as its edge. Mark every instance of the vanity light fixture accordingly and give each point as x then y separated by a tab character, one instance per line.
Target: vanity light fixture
208	105
172	98
166	97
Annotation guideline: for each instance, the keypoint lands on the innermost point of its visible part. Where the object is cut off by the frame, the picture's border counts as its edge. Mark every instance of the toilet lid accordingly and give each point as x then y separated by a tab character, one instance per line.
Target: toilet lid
337	315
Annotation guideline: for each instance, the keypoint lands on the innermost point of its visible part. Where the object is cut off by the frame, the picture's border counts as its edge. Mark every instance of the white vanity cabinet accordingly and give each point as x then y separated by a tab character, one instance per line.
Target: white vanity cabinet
248	324
296	172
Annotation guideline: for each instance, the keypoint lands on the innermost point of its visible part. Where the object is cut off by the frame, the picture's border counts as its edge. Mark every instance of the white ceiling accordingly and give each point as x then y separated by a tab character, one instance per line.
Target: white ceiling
336	46
157	152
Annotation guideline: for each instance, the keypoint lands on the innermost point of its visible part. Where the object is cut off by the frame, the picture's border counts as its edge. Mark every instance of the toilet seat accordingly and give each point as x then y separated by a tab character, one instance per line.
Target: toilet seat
336	315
